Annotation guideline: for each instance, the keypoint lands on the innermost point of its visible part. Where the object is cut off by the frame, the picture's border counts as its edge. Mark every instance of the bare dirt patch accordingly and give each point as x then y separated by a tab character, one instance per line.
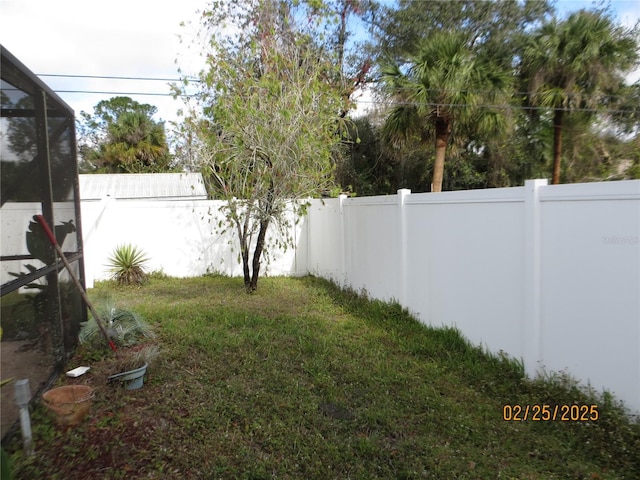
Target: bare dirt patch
21	359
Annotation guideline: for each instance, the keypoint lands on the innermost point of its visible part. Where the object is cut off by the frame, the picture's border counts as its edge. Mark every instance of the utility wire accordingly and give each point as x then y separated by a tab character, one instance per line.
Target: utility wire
503	106
117	93
389	103
491	92
196	80
392	103
118	77
112	77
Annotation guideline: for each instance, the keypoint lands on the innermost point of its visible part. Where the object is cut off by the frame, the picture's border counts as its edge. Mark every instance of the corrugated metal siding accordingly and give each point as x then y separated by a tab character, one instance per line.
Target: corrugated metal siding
165	186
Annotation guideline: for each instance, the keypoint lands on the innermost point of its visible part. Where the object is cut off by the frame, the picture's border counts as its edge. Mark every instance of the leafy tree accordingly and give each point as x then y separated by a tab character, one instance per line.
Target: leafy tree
365	167
265	118
494	24
371	165
122	137
447	84
499	31
627	114
576	65
526	151
352	59
492	33
632	156
136	144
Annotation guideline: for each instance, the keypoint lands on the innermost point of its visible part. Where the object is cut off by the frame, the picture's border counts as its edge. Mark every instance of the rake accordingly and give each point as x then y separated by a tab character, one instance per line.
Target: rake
54	242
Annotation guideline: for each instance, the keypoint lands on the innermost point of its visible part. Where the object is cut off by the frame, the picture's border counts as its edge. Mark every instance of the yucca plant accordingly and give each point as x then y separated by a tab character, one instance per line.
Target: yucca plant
126	263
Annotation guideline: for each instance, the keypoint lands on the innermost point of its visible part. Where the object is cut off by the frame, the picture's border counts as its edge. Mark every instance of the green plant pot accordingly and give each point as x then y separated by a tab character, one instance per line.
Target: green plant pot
132	379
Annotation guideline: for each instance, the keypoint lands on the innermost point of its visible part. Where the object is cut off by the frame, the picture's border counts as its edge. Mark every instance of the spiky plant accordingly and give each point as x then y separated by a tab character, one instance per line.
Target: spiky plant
127	264
125	327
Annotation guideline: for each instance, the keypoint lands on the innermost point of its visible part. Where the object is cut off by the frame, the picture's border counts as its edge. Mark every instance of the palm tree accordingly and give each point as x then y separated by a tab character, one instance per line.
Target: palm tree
576	64
446	84
136	143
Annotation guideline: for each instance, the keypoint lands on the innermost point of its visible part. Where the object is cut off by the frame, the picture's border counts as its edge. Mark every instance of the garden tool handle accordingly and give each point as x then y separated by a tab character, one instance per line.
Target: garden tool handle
47	230
54	242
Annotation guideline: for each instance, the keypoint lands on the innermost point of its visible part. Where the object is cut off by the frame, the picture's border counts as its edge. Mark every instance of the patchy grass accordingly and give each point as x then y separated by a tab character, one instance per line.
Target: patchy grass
302	380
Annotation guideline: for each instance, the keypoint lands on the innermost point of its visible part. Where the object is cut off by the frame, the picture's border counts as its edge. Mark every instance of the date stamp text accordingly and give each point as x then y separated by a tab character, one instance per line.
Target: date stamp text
550	413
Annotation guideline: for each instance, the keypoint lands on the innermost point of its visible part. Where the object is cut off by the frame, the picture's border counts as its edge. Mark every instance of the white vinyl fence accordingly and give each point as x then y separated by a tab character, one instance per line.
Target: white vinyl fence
181	238
546	273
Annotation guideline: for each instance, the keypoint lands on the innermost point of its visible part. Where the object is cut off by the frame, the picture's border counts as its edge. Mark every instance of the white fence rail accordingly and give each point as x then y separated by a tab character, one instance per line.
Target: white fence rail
549	274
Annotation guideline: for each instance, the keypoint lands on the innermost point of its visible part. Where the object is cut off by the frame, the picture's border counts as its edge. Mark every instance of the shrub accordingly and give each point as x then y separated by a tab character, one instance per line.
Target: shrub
126	263
125	328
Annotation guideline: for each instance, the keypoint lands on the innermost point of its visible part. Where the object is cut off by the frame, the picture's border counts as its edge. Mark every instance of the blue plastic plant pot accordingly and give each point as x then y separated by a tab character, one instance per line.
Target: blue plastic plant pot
133	379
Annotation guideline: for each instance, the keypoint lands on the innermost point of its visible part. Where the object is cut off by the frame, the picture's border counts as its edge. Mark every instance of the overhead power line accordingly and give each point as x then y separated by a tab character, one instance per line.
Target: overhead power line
392	103
389	103
515	93
495	107
115	77
118	77
196	80
157	94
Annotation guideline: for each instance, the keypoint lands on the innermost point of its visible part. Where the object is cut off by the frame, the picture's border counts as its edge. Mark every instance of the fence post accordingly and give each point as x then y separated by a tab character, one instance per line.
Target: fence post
532	277
343	267
403	193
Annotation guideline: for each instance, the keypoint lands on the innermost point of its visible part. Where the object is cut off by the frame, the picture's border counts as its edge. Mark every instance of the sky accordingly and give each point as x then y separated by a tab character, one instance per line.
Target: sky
131	38
122	38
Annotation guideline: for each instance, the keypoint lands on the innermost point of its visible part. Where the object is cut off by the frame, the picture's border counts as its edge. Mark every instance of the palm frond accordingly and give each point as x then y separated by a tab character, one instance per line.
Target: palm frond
402	122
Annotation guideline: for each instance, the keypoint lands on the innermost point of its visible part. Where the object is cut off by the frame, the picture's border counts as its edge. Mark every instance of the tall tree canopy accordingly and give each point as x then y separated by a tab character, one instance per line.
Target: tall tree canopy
122	137
456	61
503	34
447	84
266	118
576	65
401	27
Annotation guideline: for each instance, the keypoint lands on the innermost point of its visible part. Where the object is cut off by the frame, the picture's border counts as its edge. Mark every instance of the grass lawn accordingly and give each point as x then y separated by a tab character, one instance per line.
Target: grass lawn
303	381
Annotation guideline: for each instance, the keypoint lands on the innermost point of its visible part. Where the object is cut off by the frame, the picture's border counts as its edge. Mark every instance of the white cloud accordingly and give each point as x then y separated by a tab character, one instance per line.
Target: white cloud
138	38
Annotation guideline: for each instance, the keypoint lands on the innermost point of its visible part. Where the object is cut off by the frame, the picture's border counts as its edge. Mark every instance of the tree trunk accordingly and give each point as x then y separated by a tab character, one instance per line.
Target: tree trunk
443	130
557	145
245	265
244	248
257	253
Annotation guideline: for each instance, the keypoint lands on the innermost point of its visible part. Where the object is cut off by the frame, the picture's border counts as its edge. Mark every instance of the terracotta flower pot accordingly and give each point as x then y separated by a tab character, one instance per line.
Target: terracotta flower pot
70	404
